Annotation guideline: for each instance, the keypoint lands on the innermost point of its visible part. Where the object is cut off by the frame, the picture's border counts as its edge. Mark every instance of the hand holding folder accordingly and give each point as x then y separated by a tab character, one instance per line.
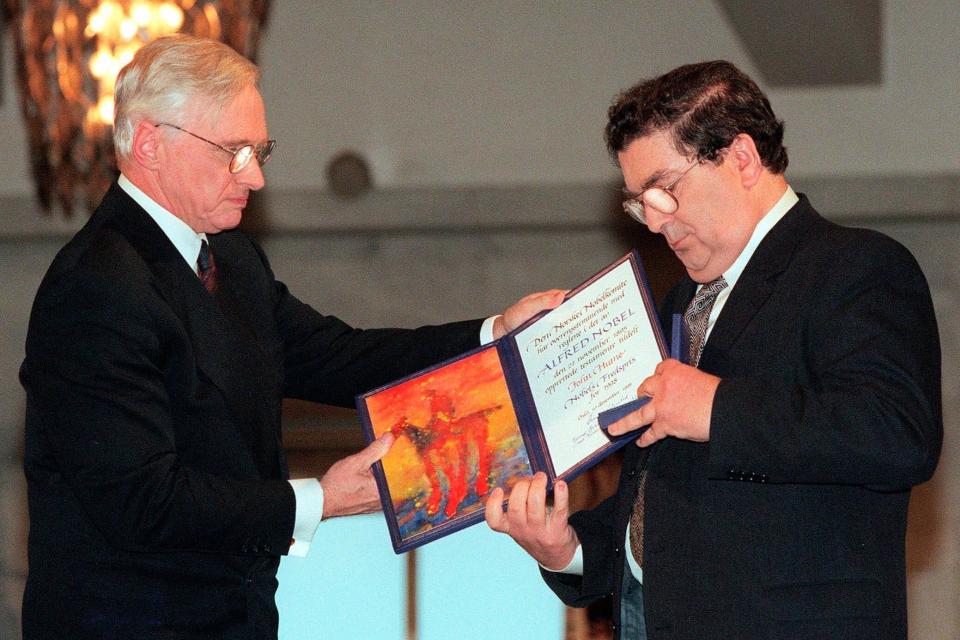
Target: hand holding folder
525	403
678	344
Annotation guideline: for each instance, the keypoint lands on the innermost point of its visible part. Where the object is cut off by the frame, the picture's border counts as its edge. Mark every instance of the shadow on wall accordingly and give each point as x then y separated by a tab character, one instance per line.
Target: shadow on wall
925	525
13	535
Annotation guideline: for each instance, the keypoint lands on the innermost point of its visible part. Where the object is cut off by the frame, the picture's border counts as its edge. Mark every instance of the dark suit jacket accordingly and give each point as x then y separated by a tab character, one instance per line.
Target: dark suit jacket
156	478
790	521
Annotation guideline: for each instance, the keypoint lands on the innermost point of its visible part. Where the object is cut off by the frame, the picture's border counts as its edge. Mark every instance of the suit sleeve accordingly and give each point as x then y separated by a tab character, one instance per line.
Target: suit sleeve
98	380
326	360
856	399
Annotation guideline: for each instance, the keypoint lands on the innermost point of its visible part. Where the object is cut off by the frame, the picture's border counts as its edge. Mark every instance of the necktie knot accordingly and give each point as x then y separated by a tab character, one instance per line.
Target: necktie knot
207	267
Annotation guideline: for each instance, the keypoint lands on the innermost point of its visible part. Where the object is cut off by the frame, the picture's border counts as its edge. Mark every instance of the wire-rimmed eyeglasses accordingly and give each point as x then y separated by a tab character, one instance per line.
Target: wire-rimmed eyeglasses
240	157
660	198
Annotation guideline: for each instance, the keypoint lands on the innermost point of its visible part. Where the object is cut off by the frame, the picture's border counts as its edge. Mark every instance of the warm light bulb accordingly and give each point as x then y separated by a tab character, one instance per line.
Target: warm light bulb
111	10
101	63
140	12
171	15
95	24
128	29
105	109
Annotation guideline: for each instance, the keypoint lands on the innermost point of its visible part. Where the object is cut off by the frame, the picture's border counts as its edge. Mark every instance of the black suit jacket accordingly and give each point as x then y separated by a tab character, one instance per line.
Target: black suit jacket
158	498
790	521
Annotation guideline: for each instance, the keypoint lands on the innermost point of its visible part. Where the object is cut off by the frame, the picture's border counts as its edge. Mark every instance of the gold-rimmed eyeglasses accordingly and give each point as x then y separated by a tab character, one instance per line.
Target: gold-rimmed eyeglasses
660	198
241	156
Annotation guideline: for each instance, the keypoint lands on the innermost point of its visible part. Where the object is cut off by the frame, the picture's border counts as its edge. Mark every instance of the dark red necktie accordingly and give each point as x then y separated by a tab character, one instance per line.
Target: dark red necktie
207	267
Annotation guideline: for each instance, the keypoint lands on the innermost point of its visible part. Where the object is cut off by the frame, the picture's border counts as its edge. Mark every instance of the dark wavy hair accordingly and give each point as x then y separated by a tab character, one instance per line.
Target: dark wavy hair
703	106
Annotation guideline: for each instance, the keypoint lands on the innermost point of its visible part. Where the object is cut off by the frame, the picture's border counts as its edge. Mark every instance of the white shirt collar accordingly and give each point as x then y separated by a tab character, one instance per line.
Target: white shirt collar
184	238
767	222
733	273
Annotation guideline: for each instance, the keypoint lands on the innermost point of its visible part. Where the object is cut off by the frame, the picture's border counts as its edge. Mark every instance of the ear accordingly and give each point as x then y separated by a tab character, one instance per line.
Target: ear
746	159
146	145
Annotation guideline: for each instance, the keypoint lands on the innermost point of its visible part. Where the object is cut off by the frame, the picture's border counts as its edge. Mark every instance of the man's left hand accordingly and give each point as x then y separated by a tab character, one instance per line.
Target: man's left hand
349	487
524	309
681	400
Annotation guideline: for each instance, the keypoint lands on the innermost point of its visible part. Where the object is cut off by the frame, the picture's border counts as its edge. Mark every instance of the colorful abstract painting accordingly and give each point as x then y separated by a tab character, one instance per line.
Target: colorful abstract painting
457	438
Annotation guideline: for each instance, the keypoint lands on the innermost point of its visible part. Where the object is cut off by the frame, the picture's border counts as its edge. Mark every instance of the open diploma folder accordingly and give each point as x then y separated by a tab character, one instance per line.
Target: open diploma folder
527	402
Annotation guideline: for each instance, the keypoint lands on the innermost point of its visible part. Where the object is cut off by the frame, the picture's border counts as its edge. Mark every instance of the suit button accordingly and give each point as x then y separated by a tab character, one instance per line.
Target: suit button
267	548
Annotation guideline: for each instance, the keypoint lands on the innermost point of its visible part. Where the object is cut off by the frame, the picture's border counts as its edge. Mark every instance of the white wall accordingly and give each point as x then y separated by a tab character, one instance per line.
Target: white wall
511	92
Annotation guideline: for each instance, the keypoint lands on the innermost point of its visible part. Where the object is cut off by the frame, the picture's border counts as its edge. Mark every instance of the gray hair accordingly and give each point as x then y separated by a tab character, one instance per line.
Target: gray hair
170	73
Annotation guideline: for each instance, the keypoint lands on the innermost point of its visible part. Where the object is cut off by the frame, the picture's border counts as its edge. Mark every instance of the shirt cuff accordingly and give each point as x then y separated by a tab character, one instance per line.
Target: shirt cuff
486	330
574	567
309	499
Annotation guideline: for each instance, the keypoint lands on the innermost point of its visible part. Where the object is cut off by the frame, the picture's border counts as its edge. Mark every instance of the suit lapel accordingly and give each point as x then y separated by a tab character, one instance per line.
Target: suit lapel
223	348
253	367
757	281
248	318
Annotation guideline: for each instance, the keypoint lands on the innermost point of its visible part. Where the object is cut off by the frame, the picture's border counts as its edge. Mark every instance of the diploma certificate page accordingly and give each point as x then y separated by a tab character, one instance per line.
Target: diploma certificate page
587	355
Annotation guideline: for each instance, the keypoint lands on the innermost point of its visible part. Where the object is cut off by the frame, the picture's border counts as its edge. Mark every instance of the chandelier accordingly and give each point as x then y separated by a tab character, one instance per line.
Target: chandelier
68	53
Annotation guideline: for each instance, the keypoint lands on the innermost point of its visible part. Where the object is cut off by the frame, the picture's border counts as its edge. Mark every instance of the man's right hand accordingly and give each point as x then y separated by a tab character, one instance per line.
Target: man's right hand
349	487
543	532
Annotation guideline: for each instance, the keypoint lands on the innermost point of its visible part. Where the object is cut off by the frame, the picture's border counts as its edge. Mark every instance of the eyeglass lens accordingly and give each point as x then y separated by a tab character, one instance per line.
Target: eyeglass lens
241	158
656	197
660	199
243	155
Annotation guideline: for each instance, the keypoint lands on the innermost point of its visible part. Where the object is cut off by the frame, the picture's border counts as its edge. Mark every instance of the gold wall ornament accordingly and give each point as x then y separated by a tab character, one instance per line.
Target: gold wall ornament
67	55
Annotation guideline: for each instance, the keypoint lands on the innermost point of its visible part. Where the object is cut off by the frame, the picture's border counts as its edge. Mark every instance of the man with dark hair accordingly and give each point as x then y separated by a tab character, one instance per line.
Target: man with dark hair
768	497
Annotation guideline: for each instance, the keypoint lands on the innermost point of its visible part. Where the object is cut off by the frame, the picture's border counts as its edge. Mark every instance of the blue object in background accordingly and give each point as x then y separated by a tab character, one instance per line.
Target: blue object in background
474	584
479	584
351	585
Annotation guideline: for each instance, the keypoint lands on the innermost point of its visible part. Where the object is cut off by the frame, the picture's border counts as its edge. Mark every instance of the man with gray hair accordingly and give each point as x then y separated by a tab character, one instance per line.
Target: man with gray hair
160	346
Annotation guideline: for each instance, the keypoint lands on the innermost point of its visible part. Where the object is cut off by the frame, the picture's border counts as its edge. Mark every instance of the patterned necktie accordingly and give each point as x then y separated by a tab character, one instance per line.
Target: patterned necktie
696	318
207	267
